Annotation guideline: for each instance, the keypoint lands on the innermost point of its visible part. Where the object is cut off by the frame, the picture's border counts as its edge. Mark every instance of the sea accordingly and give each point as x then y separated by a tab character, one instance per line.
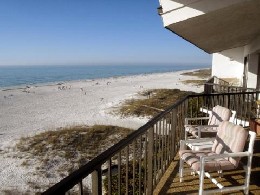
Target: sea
20	76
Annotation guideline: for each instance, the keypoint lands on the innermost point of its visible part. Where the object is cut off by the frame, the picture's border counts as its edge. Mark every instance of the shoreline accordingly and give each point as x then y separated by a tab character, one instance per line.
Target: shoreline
54	83
85	102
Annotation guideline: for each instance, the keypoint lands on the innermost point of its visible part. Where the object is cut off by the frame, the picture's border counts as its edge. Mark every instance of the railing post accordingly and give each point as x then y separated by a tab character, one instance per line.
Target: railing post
150	161
97	182
226	101
173	132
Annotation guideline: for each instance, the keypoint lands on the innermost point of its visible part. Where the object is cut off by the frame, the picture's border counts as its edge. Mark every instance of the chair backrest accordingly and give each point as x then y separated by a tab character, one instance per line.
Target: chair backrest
230	138
219	114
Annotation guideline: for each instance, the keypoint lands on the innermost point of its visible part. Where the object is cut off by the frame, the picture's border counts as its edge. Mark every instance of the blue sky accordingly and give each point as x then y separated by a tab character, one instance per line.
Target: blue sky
85	32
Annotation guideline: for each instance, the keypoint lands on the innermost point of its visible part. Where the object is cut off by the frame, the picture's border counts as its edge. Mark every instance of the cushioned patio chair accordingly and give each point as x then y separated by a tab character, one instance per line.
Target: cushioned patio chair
225	154
216	116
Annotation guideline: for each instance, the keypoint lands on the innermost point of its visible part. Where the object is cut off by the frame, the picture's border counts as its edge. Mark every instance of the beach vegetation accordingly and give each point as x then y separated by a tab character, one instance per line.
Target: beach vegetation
67	149
151	102
202	73
194	82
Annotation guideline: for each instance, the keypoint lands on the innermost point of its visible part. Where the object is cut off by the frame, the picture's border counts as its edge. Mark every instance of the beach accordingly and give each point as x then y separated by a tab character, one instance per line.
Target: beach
33	109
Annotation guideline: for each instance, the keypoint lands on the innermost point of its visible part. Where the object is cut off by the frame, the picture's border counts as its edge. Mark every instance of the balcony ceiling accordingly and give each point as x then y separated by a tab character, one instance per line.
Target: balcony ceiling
226	28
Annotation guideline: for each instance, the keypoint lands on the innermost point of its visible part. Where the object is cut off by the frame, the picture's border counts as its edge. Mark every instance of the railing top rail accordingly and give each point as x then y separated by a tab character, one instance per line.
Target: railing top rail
221	94
214	78
231	86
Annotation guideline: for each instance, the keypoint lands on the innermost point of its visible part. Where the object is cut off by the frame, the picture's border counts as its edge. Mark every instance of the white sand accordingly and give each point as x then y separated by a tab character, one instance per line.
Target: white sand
25	112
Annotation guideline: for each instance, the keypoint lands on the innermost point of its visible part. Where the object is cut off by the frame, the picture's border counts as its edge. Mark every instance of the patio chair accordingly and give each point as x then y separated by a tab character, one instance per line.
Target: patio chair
216	116
225	154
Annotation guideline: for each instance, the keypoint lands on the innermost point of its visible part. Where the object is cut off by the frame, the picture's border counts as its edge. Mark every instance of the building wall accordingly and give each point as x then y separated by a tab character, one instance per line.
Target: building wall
252	51
229	64
252	70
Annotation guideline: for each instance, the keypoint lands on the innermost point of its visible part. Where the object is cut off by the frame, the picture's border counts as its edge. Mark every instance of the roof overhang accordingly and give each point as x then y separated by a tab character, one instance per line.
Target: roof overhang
228	27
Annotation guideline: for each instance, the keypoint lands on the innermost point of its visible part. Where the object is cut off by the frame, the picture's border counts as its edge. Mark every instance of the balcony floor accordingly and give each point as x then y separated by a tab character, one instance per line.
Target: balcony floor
170	184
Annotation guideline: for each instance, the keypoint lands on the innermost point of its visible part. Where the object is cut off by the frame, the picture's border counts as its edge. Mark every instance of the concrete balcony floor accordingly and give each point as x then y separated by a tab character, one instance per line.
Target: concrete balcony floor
170	184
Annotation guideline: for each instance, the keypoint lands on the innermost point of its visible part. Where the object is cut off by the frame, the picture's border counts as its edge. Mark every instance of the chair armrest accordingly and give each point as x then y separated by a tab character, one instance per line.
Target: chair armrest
204	126
201	127
186	127
199	140
195	119
205	110
225	155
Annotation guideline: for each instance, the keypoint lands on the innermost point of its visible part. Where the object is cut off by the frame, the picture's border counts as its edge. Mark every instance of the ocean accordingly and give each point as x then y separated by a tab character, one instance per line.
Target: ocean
20	76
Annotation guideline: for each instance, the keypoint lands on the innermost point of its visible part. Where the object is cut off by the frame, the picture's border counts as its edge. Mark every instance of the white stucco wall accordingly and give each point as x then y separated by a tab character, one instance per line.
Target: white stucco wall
252	51
229	64
252	70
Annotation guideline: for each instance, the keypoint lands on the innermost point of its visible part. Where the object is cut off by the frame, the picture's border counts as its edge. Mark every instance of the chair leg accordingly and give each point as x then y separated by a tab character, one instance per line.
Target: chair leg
201	182
220	173
199	133
248	173
201	172
185	133
181	170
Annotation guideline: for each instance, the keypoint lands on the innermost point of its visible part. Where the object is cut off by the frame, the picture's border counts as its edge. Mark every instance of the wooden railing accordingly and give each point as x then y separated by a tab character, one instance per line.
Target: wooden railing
217	85
137	163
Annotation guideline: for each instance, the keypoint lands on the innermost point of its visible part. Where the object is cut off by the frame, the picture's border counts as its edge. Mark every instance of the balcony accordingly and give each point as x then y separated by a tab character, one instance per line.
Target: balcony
146	162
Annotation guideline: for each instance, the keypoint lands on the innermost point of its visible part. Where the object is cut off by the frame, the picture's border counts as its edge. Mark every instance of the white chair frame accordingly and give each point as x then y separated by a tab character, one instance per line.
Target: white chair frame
200	127
203	159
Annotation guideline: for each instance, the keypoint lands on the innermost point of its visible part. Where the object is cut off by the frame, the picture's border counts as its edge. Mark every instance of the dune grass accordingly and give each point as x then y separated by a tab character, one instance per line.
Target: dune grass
203	73
194	82
151	102
69	148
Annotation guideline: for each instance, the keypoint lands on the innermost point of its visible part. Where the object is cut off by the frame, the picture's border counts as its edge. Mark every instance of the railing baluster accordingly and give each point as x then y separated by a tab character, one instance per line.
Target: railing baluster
109	176
80	188
197	106
160	151
140	165
164	143
155	151
145	162
167	140
96	182
127	170
170	137
174	123
133	163
119	172
150	161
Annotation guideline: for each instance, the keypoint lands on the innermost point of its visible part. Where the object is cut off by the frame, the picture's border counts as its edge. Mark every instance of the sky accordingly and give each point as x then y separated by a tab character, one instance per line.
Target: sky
90	32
